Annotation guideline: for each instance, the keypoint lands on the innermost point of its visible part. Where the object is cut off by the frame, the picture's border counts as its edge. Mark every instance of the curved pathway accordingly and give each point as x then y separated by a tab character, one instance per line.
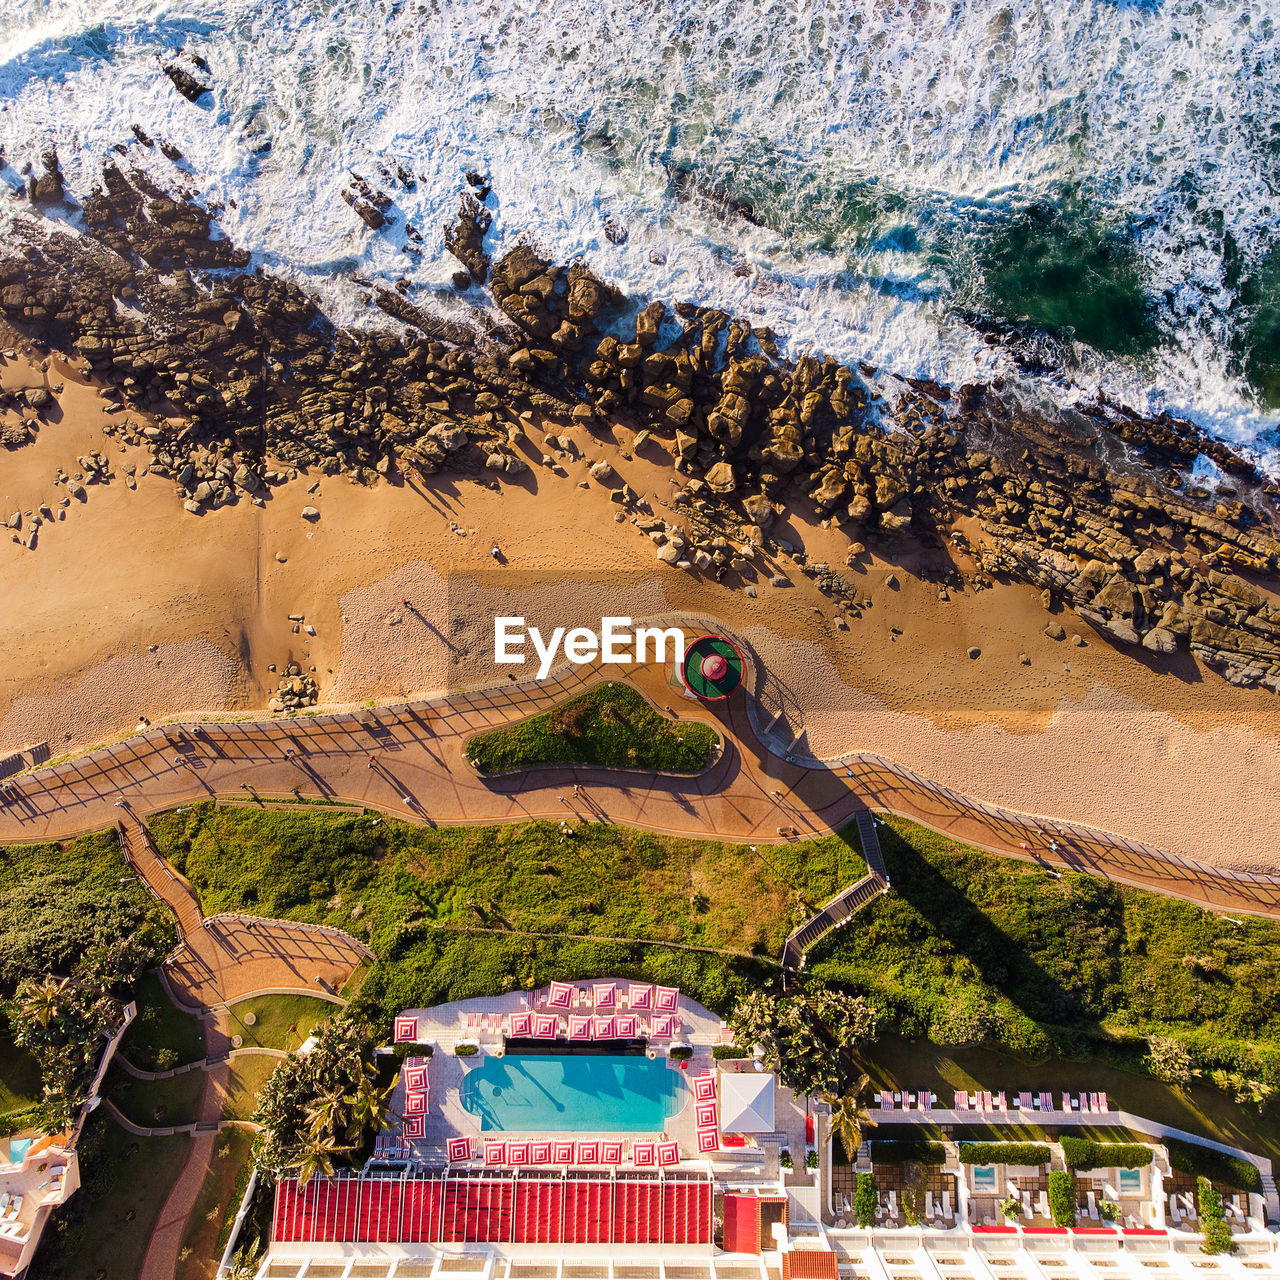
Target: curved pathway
408	760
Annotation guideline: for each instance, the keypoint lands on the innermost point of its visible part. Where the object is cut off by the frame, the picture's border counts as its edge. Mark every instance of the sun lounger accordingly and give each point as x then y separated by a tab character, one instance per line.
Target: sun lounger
962	1102
1001	1104
922	1100
4	1203
1103	1105
928	1204
946	1204
1092	1201
1066	1102
1024	1102
1046	1102
886	1100
1027	1211
893	1204
1042	1204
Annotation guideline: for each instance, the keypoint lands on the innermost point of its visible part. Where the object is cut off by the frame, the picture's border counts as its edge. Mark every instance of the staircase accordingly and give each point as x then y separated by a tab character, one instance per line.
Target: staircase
841	907
154	872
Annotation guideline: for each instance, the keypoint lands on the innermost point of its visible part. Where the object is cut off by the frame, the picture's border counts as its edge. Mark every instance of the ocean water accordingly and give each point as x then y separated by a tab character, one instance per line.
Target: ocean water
876	179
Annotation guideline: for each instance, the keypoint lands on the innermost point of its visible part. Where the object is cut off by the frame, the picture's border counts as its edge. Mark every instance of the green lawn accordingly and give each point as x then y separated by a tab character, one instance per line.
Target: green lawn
162	1035
245	1081
279	1022
156	1104
103	1230
19	1076
421	894
969	946
610	725
209	1226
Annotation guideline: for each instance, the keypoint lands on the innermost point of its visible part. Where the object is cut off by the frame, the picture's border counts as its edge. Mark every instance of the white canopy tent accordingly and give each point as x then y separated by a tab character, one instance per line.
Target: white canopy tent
746	1102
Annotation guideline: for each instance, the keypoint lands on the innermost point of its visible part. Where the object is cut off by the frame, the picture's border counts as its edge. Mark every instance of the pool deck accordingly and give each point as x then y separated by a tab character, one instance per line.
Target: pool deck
447	1025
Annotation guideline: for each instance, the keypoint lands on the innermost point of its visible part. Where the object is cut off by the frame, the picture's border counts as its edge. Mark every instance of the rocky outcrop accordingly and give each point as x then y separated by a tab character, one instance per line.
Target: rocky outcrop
186	82
248	382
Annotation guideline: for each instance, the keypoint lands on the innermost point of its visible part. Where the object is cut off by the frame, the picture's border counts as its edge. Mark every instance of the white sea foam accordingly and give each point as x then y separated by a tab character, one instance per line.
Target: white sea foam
847	125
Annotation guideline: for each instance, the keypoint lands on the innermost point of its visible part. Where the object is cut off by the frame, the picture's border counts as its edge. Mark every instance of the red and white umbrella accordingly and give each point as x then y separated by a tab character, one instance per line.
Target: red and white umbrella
628	1026
522	1025
643	1155
560	996
611	1153
605	1028
704	1087
708	1140
415	1079
640	997
606	995
406	1029
540	1153
587	1153
415	1127
666	999
546	1026
668	1154
459	1149
495	1152
562	1153
579	1026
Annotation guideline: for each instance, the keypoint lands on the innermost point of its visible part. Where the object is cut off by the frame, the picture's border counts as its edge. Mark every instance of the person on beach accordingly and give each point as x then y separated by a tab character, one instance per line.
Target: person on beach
496	551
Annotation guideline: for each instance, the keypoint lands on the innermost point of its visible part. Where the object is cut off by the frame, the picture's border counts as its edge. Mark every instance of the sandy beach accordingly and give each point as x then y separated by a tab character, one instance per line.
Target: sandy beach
129	606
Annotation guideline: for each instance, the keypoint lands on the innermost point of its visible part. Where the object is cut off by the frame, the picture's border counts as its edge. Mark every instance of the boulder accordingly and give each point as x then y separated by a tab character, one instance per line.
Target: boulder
1158	640
310	513
720	479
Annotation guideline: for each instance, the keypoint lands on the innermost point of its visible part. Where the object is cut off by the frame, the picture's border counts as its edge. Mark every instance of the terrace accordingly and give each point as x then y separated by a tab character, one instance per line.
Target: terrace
39	1174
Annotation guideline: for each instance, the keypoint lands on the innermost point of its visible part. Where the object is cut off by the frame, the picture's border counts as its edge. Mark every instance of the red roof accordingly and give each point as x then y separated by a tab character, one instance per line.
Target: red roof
809	1264
741	1224
527	1210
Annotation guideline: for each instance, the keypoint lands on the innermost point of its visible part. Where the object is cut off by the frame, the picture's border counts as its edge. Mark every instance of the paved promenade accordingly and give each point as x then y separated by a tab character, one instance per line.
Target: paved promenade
407	760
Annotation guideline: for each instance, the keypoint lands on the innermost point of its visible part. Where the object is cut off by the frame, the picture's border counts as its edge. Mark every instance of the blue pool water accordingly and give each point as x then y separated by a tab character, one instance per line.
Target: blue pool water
18	1148
588	1093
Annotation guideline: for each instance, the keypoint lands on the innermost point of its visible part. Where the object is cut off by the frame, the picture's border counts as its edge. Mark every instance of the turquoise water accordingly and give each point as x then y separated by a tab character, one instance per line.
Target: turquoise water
583	1093
18	1148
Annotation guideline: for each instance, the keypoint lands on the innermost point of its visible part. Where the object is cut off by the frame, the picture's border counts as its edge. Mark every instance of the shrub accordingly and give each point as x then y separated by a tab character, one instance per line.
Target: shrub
464	1050
1199	1161
1031	1153
865	1200
787	1162
721	1052
1213	1222
1062	1198
811	1160
680	1052
610	725
1083	1154
908	1151
1109	1210
1011	1206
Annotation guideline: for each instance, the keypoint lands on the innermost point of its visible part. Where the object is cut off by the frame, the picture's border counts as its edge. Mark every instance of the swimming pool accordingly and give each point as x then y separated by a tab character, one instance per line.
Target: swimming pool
556	1093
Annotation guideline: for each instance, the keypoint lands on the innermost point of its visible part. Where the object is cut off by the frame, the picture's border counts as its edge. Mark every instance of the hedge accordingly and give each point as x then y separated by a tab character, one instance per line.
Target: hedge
1062	1198
865	1200
908	1151
1083	1153
722	1051
1213	1222
1217	1166
1032	1153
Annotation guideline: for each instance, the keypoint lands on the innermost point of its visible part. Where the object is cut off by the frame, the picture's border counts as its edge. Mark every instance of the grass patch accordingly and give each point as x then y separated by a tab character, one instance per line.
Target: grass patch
209	1226
162	1035
611	725
246	1076
104	1229
156	1104
1217	1166
280	1022
970	947
452	911
19	1076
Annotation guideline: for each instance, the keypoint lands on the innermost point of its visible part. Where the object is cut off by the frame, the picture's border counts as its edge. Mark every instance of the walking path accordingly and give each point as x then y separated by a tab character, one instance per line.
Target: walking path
408	760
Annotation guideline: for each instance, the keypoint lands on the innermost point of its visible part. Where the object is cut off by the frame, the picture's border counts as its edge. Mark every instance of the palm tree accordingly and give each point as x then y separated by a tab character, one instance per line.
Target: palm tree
40	1004
369	1108
329	1116
317	1158
849	1117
